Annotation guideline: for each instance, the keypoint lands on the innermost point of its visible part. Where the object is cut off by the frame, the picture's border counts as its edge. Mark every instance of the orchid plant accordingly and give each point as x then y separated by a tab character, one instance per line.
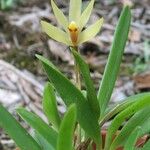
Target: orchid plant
73	27
82	125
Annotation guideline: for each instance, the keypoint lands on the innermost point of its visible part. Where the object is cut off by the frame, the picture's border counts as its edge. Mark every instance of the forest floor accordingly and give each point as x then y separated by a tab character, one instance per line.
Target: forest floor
21	76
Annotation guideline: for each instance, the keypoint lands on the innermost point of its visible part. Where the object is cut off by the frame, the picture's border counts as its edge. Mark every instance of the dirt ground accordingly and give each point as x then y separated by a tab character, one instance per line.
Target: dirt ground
21	75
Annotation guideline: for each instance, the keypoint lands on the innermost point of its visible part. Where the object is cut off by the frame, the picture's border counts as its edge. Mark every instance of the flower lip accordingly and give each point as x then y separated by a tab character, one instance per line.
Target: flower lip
73	27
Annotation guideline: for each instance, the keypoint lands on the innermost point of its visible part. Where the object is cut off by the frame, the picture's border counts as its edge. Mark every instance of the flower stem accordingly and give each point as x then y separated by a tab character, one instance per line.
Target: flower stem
77	72
78	84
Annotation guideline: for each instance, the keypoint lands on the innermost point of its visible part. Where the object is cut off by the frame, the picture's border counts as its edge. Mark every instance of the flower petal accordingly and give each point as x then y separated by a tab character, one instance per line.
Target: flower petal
86	15
61	18
75	10
55	33
90	32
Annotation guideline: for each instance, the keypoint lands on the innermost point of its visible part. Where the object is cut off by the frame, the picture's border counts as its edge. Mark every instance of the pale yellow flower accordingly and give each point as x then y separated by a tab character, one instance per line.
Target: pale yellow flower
72	33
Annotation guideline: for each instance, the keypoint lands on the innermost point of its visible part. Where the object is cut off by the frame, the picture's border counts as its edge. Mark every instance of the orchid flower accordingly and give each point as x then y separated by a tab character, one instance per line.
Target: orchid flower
73	32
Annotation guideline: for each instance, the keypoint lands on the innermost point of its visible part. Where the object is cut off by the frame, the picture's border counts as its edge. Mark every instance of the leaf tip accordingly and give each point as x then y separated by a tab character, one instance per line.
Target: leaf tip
38	56
19	110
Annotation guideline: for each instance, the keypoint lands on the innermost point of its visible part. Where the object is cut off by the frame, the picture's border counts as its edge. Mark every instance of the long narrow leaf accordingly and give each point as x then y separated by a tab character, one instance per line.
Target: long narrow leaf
146	146
42	142
16	131
70	94
126	102
66	132
131	141
91	93
50	106
137	120
39	125
120	118
145	127
114	59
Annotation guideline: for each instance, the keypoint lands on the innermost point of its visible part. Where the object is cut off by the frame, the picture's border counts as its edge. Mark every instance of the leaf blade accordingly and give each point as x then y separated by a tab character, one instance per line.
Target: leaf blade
141	103
50	106
120	107
131	141
137	120
146	146
21	137
114	59
70	94
42	142
39	125
91	93
67	129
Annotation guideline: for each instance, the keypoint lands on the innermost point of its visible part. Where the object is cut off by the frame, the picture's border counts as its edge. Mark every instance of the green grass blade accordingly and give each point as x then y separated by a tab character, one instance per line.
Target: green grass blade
39	125
128	112
131	141
55	33
71	94
50	106
16	131
91	93
66	132
61	18
137	120
114	59
42	142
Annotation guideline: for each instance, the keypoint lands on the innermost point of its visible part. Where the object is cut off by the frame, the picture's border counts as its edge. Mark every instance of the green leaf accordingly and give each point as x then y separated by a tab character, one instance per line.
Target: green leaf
131	141
55	33
145	127
66	132
42	142
137	120
117	109
6	4
142	102
70	94
91	93
86	15
114	59
75	10
62	20
16	131
146	146
50	106
39	125
90	32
